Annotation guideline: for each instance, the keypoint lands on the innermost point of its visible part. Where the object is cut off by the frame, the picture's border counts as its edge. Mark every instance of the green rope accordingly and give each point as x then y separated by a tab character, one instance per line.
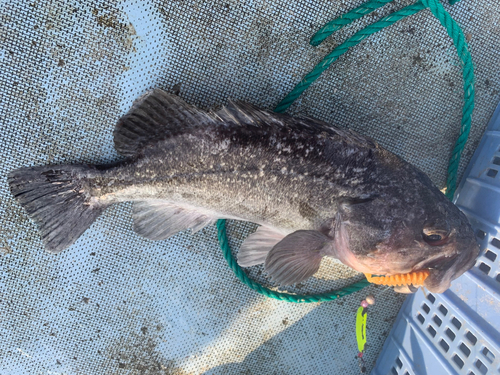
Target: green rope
458	38
455	33
346	19
343	48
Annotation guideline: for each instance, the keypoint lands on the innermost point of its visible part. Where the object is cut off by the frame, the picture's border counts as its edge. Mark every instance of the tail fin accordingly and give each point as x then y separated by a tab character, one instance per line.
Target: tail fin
56	199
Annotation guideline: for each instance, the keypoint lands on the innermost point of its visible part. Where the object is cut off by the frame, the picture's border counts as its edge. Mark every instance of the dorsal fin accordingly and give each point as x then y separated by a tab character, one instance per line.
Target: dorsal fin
240	113
158	115
154	116
245	114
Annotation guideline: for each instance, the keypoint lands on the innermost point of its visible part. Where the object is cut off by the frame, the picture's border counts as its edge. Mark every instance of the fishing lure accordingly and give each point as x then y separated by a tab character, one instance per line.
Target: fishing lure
361	316
415	278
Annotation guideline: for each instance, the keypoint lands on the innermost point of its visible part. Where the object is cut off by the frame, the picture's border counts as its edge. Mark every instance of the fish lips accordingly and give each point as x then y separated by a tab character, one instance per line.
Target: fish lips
443	270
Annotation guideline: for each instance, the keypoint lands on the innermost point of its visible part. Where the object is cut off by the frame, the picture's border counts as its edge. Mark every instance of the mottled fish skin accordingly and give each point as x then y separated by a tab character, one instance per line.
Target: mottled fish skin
284	178
301	178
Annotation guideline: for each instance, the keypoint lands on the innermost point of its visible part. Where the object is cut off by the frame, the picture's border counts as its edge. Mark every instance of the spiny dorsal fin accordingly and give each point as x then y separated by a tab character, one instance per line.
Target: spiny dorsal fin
158	115
245	114
155	116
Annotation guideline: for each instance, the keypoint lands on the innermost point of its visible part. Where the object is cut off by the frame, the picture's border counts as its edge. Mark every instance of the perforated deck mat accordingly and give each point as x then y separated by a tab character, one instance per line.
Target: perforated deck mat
115	303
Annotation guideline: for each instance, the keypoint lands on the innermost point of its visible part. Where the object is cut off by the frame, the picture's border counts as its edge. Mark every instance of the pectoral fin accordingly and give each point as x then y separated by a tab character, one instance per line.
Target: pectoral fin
255	248
297	256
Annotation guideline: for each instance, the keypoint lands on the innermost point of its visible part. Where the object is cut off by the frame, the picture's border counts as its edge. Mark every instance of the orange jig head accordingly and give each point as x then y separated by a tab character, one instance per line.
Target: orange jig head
415	278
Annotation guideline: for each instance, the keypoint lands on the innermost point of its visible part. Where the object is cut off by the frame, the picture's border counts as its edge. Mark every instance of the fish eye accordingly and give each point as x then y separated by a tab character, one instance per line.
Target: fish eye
435	233
435	239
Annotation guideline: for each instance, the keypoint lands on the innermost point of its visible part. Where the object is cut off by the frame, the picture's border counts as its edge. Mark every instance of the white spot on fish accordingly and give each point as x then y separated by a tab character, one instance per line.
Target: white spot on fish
359	170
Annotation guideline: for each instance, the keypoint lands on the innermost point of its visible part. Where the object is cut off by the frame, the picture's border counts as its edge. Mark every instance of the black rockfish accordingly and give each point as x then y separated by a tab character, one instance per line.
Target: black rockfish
316	190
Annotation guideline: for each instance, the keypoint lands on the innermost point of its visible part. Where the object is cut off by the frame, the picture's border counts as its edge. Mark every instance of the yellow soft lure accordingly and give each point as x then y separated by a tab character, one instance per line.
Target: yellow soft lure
415	278
361	316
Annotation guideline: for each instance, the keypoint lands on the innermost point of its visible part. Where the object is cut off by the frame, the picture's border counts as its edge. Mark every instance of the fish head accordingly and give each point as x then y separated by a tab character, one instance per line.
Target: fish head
384	236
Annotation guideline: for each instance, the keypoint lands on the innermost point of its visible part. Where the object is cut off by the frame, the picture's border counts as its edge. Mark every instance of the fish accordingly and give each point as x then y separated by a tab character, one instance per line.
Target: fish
314	189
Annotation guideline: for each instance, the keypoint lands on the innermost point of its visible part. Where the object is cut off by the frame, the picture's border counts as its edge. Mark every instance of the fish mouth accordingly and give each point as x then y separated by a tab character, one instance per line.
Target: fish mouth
442	269
449	263
433	274
442	274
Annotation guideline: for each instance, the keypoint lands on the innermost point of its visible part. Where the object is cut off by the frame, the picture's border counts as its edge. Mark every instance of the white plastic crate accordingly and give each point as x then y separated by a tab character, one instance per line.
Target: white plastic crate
457	332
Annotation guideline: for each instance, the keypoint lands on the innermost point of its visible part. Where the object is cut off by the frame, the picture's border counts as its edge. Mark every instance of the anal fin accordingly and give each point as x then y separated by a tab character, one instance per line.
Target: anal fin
159	219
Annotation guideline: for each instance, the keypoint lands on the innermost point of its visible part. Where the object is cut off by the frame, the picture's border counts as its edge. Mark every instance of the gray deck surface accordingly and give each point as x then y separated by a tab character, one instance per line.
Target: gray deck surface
115	303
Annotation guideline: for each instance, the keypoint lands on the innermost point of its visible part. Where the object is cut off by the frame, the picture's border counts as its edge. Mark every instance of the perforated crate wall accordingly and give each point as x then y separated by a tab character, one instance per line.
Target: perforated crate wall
457	332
